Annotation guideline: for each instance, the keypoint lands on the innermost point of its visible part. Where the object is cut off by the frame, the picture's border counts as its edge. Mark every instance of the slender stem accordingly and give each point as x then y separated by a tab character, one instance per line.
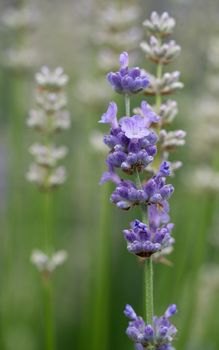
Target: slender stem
47	281
149	302
48	237
158	94
138	180
49	248
101	287
127	105
49	310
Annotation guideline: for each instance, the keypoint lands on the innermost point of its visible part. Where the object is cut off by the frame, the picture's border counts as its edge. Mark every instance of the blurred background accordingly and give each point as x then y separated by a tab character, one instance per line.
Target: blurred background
100	277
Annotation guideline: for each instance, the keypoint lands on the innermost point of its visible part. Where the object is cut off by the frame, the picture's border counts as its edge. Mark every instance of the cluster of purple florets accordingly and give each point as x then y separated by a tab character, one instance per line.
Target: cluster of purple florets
157	336
131	142
154	191
144	240
132	148
128	80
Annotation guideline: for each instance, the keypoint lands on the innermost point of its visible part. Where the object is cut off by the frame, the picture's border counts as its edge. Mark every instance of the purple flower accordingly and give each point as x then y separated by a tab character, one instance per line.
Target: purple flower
128	80
110	115
171	310
157	217
149	115
107	176
164	169
126	195
144	242
134	127
155	191
130	313
159	335
132	145
124	60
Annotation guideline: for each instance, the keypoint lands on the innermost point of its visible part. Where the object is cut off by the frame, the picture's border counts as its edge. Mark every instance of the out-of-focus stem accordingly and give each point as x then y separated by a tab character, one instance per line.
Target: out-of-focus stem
49	248
47	281
158	98
100	313
48	237
49	313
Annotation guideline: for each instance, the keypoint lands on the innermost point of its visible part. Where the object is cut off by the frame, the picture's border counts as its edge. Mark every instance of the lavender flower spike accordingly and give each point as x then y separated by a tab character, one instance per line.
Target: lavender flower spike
132	145
145	241
158	335
128	80
110	116
155	191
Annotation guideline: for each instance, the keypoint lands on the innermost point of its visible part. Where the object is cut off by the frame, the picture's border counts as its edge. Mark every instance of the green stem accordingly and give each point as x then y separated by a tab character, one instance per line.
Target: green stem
48	237
138	180
158	98
49	313
127	105
149	302
101	288
47	281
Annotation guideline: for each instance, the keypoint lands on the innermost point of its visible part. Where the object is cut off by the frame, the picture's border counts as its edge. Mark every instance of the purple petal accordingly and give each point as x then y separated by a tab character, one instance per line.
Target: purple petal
138	346
134	127
149	332
108	176
148	113
124	59
135	72
130	313
171	310
110	115
164	169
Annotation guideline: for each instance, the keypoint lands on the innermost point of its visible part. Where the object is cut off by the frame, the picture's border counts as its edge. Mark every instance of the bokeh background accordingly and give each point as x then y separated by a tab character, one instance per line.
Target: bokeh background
100	277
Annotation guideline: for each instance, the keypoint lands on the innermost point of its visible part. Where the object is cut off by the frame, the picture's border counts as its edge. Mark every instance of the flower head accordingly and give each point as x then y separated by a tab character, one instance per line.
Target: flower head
47	263
160	53
49	117
128	80
159	335
132	145
46	178
50	80
154	192
160	25
144	241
